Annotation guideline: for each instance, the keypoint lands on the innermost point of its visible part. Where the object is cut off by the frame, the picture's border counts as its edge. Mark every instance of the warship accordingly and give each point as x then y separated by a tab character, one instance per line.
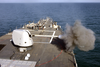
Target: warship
35	45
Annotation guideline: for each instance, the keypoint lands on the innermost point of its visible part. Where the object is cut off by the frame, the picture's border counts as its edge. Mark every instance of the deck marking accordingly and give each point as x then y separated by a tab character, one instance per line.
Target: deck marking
50	60
52	37
45	36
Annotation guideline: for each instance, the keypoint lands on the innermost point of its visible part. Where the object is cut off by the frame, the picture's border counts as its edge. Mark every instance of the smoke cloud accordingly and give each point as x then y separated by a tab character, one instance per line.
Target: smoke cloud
80	36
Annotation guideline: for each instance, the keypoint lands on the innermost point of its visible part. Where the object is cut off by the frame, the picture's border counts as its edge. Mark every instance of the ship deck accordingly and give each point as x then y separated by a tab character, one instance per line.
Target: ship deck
46	51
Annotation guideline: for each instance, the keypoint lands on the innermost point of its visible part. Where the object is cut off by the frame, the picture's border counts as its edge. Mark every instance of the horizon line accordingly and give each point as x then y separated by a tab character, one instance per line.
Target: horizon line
49	2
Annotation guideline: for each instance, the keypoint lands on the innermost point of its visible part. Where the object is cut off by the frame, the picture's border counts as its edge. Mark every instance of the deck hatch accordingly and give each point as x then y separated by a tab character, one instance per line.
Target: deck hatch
1	46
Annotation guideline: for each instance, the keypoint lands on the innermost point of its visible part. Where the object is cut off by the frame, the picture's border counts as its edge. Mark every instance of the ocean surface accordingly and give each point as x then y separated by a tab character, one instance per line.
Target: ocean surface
15	15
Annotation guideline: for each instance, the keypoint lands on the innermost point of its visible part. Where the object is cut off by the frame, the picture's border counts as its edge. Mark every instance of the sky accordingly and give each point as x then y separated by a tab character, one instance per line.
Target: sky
40	1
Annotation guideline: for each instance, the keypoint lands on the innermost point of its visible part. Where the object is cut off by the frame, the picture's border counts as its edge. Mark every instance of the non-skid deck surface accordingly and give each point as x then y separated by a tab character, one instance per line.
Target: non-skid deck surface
45	54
